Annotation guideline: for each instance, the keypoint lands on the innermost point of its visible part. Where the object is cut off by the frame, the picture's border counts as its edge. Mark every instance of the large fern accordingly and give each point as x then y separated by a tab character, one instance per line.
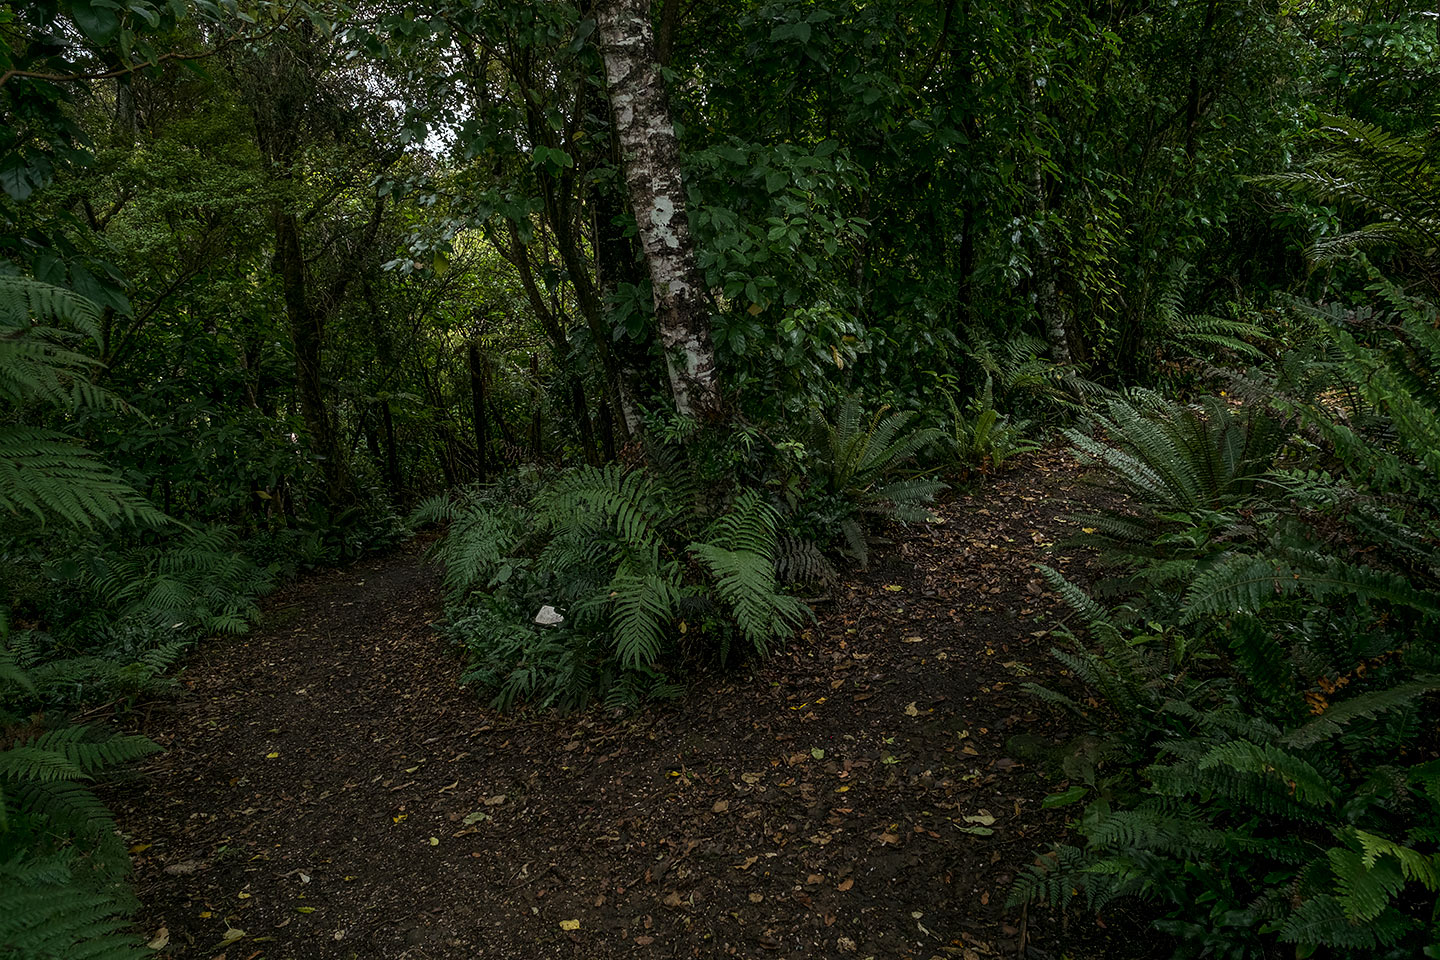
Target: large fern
618	555
44	473
1390	183
61	861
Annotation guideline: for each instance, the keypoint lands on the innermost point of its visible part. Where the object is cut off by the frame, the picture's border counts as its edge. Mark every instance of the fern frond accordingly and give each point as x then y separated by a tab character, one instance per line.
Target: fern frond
1332	721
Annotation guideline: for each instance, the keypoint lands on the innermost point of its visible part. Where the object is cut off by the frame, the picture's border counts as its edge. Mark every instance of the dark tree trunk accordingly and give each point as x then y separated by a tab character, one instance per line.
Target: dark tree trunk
582	419
307	335
537	415
392	453
1046	288
607	432
477	399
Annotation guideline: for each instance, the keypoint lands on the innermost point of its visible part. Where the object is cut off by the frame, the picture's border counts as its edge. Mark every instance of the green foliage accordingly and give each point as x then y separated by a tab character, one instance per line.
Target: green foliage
980	438
856	472
630	561
61	860
44	474
1389	182
1266	683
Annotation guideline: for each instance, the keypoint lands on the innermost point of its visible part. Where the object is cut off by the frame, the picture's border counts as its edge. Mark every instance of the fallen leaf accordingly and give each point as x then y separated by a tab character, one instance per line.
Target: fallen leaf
434	841
304	909
161	941
474	818
232	934
817	753
272	756
911	710
644	941
845	885
749	862
894	587
751	778
814	878
243	895
890	838
982	817
495	801
720	806
673	899
569	924
756	897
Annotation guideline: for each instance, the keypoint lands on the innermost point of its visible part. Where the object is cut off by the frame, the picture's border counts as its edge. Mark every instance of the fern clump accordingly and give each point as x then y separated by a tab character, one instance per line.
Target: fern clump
639	576
856	471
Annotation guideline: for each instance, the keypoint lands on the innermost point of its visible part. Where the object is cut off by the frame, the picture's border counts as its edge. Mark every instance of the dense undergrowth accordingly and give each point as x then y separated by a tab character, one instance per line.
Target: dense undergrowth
254	312
1258	673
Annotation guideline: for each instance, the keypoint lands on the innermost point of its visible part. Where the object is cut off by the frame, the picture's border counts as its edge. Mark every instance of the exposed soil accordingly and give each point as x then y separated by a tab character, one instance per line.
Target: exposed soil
329	791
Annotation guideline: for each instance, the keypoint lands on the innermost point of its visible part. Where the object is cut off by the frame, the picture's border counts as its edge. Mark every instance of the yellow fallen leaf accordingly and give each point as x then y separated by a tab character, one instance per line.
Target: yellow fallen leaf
434	841
911	710
894	587
272	756
399	816
569	924
243	895
206	914
304	909
140	848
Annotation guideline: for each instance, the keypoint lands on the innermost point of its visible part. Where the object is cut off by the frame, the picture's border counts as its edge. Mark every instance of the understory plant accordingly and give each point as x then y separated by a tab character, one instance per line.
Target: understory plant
979	438
599	582
1257	682
857	471
62	863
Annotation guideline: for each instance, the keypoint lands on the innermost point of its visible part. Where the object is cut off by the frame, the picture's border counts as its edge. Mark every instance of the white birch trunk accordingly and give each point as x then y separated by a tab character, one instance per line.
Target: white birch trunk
651	163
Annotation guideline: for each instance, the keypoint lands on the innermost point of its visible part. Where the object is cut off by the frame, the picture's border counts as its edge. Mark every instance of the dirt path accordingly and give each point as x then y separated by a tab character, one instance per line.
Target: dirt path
330	792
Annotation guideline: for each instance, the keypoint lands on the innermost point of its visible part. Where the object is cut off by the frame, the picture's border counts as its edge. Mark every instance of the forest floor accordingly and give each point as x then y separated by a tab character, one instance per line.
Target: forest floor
328	790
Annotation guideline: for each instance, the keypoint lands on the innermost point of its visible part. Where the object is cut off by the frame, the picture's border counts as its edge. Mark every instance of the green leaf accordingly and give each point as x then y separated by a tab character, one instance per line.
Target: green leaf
97	19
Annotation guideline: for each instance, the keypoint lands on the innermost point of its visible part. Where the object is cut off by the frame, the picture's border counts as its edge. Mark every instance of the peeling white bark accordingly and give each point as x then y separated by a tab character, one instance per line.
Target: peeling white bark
651	161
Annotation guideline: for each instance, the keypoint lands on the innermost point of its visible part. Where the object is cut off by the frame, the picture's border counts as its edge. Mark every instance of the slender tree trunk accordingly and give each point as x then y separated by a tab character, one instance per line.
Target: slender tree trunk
392	453
582	419
536	415
590	308
607	420
616	263
1047	296
477	399
307	334
657	196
